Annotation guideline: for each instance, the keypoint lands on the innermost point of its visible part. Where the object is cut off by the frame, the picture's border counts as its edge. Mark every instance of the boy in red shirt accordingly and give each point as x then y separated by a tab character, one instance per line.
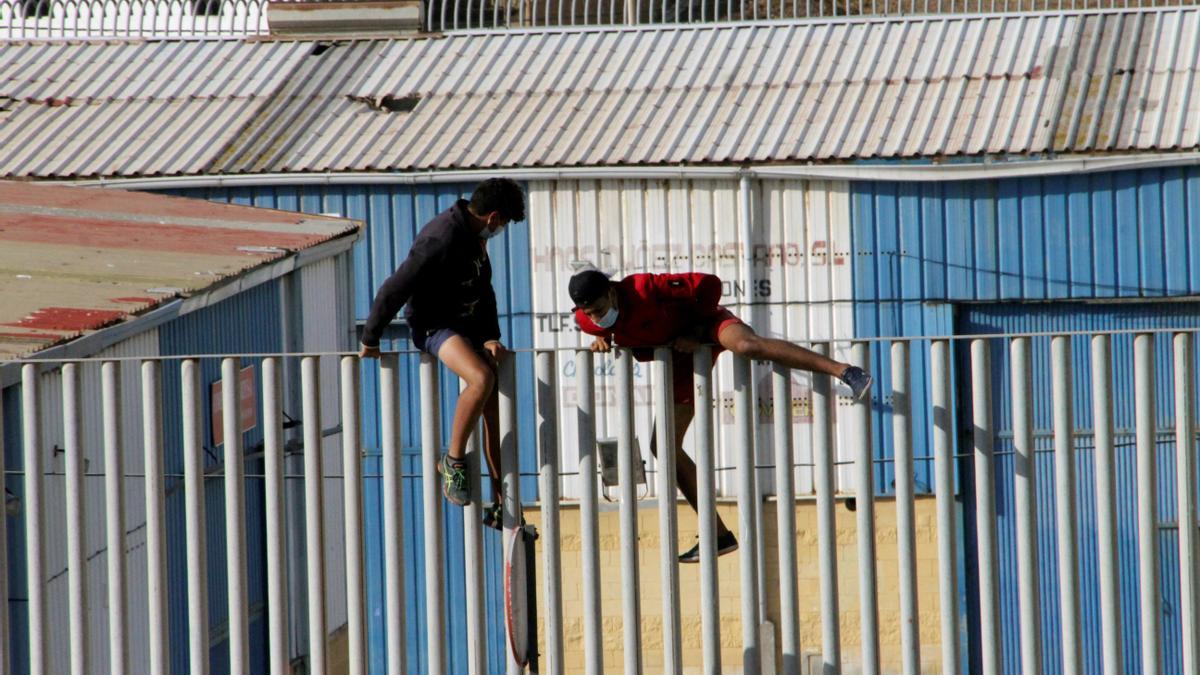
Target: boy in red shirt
683	311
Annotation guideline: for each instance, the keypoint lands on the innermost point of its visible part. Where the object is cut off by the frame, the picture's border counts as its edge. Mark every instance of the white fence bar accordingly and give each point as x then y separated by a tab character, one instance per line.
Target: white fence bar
1106	499
193	487
235	519
1025	493
435	554
1147	488
510	473
822	411
981	404
1064	495
744	413
393	513
314	508
706	490
156	533
1185	452
941	395
356	610
31	507
76	525
277	615
864	465
589	527
906	538
547	399
114	493
631	603
668	531
473	554
785	516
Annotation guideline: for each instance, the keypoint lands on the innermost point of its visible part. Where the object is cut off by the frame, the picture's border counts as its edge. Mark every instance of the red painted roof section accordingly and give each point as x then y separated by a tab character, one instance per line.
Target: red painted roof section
78	259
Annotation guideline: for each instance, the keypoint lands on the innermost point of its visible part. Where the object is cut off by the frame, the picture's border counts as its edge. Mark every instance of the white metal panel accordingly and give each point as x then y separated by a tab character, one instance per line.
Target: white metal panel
800	286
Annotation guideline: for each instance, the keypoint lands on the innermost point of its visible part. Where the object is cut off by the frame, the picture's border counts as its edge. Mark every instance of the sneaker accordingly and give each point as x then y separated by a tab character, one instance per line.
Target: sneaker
858	380
726	543
455	483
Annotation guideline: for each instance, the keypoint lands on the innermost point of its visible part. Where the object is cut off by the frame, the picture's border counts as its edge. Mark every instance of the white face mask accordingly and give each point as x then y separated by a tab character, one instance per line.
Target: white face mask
488	233
609	318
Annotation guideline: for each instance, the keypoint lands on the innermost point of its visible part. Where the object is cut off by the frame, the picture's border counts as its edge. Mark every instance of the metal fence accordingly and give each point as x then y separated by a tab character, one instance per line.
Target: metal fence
29	19
967	361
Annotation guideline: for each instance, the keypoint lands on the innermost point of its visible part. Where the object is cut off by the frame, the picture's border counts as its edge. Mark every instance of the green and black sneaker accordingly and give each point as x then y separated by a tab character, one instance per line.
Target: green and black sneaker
455	482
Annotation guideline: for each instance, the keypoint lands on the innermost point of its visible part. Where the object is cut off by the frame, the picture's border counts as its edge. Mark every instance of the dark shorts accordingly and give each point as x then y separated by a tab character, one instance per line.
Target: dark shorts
432	341
681	366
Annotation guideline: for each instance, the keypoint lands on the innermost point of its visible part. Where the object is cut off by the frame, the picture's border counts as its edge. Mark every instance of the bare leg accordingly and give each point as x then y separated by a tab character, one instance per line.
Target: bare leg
685	468
741	339
491	440
460	357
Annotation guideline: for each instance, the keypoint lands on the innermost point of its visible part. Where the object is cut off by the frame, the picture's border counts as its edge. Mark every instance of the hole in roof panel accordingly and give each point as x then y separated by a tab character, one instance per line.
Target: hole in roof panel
320	48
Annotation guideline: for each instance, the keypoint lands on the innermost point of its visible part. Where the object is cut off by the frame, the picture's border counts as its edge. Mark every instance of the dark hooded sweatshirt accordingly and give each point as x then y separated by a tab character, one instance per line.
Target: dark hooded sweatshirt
446	282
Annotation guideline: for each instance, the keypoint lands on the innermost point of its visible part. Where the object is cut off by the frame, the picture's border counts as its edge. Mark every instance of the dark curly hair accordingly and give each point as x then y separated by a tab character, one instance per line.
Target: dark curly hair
501	195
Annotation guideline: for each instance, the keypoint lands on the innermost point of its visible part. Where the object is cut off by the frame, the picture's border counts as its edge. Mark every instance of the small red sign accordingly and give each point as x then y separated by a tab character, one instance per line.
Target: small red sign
247	399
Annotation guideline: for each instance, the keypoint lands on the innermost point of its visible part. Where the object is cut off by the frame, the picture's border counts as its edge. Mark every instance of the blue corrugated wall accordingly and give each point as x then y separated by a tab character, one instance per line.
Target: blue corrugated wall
219	329
975	256
393	215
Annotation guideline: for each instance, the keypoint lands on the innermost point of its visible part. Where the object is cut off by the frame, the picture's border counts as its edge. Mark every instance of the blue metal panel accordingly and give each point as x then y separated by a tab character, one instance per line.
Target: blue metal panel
393	215
14	462
1016	318
220	329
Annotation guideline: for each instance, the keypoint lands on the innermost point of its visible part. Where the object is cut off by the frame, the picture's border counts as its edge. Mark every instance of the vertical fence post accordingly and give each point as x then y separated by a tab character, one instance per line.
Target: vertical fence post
1106	498
114	492
631	603
1185	450
235	523
277	613
193	487
547	406
352	503
1064	472
76	524
785	515
710	612
941	396
1147	460
823	454
981	404
910	638
747	507
393	513
860	416
664	416
593	639
435	555
156	535
1025	492
314	507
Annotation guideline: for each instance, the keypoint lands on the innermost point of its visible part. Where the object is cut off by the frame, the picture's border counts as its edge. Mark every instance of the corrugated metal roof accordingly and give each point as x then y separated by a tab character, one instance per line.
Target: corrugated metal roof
813	90
74	259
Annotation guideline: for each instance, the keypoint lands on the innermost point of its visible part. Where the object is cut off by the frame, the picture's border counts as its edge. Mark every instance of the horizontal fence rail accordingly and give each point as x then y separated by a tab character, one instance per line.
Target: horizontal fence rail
1010	439
32	19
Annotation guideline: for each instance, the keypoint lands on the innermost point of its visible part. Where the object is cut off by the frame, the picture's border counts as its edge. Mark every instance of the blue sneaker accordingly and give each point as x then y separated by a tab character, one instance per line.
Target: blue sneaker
858	380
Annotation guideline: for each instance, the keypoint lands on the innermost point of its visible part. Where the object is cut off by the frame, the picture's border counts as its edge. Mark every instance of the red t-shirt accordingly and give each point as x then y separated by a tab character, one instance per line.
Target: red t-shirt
655	309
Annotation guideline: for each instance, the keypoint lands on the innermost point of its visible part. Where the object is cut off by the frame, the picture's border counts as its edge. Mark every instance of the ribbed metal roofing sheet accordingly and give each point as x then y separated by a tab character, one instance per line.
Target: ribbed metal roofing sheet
76	259
813	90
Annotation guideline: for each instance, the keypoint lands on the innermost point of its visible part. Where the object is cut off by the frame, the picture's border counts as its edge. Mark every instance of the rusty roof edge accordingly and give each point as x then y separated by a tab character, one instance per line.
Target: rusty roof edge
91	343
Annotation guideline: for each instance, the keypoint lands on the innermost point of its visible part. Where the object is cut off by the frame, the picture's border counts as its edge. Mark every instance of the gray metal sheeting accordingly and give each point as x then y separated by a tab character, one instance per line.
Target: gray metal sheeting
814	90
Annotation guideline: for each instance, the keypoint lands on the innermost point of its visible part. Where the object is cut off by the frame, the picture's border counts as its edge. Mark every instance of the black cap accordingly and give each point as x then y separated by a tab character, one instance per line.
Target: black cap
587	286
